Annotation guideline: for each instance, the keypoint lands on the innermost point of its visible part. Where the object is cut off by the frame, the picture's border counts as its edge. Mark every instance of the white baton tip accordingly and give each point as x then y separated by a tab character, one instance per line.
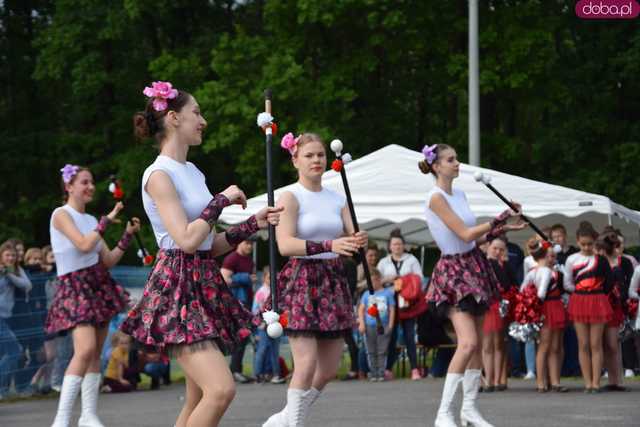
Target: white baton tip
486	179
274	330
336	146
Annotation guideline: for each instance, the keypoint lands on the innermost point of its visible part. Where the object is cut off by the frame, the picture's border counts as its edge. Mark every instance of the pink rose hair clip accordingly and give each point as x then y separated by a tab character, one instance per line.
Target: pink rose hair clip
160	92
290	143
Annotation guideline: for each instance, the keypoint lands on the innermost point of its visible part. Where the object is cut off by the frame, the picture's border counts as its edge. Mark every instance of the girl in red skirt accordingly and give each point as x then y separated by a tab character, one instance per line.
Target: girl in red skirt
493	340
87	297
548	282
607	246
187	307
588	277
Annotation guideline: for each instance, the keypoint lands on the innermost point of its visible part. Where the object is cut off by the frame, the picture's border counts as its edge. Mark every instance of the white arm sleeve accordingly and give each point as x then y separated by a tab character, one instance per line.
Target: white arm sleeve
569	286
633	287
543	278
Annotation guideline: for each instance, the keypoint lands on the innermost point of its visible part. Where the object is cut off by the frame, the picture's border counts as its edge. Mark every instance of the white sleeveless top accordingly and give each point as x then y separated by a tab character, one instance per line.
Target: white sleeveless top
319	216
68	257
448	241
192	191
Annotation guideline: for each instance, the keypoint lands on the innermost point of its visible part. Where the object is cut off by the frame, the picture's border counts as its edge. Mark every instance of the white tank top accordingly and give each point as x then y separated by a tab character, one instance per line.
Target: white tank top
448	241
192	191
68	257
319	216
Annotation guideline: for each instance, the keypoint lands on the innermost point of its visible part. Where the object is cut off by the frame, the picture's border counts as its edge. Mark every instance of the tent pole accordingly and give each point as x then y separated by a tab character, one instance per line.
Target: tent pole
609	219
422	257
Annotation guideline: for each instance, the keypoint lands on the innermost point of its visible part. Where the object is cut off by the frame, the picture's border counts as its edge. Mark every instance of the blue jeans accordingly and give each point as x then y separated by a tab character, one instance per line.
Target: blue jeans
530	356
155	369
408	328
64	353
268	350
10	351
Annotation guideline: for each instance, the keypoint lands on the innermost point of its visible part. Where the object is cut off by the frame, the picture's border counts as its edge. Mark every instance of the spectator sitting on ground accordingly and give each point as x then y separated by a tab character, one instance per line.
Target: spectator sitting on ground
118	377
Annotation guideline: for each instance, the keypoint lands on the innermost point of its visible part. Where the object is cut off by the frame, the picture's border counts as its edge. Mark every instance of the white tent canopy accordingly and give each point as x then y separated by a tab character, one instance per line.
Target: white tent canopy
389	191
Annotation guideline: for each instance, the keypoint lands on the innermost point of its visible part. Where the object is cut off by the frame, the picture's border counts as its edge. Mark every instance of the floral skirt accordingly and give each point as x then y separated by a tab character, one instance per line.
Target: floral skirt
590	308
465	281
86	296
316	297
186	304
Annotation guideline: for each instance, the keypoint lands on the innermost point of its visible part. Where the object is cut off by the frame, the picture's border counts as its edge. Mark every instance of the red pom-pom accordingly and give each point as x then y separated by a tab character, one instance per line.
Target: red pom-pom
336	165
274	129
147	260
284	319
546	245
373	311
118	193
529	306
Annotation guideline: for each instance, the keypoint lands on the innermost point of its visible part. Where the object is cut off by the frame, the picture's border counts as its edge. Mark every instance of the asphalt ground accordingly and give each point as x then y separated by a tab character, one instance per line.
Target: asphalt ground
399	403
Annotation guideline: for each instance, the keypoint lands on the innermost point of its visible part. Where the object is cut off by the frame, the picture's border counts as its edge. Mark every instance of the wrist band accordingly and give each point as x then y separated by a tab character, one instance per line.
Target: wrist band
500	219
213	210
102	225
125	241
242	232
315	248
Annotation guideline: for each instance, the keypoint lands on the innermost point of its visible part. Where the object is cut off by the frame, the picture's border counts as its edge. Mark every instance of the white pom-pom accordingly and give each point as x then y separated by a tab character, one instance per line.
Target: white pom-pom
478	176
557	248
270	317
274	330
346	158
264	119
140	254
486	179
112	187
336	146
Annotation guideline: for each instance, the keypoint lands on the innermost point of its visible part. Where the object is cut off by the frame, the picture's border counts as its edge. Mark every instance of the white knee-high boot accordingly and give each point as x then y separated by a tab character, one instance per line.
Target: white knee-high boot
280	419
296	407
445	416
68	393
310	397
469	413
89	394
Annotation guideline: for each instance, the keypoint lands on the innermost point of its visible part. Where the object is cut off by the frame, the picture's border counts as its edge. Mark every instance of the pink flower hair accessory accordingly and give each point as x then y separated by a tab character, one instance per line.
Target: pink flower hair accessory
68	172
160	92
290	143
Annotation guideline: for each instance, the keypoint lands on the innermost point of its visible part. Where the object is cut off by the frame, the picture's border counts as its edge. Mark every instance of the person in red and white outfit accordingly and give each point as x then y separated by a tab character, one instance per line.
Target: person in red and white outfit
588	277
548	283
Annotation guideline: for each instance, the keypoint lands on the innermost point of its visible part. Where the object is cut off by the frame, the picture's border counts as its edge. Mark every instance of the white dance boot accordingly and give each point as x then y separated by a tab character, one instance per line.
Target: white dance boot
280	419
295	407
469	414
445	416
89	394
68	393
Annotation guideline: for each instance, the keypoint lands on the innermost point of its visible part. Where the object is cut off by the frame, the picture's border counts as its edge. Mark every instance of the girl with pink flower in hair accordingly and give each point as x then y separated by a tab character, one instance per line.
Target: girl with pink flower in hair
87	297
186	307
315	228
